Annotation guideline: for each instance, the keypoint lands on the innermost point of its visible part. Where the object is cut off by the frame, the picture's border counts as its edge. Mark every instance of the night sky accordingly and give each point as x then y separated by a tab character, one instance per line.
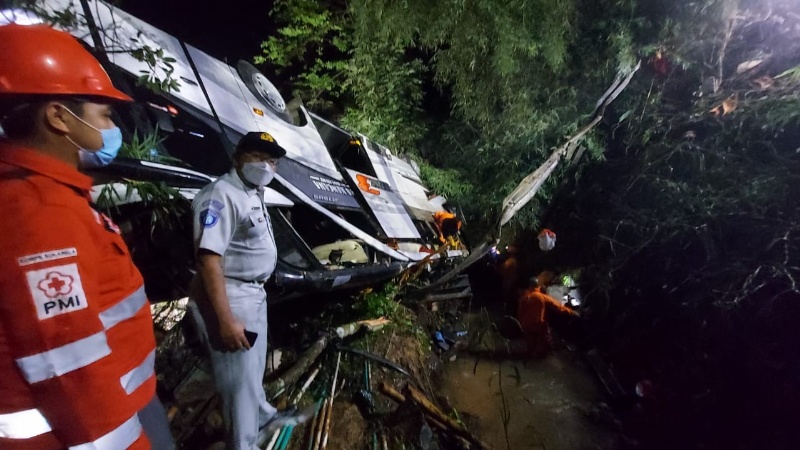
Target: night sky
230	29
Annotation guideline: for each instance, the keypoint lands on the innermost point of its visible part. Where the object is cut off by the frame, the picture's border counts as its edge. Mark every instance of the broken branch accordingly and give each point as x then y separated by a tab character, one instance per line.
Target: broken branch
434	415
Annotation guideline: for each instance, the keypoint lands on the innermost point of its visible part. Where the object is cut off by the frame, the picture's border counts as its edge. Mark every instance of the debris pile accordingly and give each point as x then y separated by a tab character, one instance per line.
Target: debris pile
363	383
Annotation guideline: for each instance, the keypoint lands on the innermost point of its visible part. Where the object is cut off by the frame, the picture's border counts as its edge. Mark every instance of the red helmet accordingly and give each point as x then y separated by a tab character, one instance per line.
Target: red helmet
36	59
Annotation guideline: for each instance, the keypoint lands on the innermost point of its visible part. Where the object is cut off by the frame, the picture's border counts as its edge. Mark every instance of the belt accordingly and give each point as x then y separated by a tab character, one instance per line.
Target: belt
246	281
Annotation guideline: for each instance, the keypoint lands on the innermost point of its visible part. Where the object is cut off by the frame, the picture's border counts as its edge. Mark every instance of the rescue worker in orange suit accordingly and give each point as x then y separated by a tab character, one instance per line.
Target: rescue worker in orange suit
532	311
448	226
76	337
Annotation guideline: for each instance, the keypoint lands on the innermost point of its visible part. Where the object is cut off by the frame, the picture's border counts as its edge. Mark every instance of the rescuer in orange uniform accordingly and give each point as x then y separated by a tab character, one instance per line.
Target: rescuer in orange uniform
534	306
448	226
76	338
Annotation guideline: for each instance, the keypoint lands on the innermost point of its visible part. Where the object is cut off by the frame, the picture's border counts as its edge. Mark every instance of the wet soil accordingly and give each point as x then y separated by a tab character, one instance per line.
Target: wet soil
520	405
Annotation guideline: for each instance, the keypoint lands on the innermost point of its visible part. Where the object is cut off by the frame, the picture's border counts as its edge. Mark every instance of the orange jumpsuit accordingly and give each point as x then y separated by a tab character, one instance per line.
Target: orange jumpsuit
76	338
532	316
441	219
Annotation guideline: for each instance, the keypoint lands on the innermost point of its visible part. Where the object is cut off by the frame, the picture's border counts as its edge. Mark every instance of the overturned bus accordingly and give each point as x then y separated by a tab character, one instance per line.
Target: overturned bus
391	189
328	237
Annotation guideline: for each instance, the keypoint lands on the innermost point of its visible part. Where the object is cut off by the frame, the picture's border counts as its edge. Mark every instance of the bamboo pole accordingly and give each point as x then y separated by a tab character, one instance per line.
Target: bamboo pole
320	425
281	437
275	436
327	428
305	386
314	424
330	404
385	441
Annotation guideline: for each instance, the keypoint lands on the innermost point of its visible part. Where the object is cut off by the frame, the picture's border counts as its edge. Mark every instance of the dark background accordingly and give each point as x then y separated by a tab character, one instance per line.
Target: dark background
228	30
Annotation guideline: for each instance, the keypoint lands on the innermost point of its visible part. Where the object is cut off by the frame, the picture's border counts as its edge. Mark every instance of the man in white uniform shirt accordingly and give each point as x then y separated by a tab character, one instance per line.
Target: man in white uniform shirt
236	254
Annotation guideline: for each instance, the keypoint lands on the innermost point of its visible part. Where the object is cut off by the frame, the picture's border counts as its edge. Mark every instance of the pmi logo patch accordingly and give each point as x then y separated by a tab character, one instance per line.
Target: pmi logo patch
56	290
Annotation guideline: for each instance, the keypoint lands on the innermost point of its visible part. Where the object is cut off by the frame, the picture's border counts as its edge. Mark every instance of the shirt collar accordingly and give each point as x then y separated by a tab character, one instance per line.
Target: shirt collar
237	181
42	164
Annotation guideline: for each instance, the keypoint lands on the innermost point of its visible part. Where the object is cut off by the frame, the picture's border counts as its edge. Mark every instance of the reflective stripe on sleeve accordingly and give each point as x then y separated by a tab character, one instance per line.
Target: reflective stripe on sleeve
23	424
124	310
64	359
136	377
120	438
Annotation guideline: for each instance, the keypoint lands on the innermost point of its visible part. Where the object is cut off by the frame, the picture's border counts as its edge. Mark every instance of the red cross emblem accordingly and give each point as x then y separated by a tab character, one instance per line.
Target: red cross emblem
56	285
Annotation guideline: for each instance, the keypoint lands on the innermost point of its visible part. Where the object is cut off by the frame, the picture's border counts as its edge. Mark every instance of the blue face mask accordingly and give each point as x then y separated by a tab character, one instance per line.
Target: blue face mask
258	173
112	141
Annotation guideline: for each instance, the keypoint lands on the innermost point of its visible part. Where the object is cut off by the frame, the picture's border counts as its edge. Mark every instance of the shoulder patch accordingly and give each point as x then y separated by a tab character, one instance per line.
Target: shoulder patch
106	222
209	218
56	290
47	256
213	204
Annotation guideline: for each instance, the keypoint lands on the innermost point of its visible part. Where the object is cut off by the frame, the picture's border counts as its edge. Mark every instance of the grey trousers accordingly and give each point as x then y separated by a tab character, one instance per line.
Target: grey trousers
156	425
238	375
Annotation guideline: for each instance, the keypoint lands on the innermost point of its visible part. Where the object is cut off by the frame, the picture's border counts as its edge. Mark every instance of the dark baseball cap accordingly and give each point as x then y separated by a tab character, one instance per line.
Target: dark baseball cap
259	141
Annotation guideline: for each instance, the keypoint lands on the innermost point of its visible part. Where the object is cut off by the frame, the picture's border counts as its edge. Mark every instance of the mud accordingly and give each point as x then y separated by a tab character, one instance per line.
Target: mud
516	405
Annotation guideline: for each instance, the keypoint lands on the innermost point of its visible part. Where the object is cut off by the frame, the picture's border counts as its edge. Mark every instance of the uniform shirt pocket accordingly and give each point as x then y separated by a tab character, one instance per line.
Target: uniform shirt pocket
115	264
258	230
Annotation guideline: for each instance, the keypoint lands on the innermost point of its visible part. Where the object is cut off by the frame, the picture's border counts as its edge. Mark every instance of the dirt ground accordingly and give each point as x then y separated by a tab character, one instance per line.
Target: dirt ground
349	428
520	405
508	403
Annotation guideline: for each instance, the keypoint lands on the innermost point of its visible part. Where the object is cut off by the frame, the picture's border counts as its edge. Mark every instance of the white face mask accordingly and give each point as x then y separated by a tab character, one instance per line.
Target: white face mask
258	173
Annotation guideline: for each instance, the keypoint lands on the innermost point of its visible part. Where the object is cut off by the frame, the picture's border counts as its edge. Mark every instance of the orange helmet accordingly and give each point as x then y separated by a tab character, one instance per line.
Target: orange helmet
36	59
546	278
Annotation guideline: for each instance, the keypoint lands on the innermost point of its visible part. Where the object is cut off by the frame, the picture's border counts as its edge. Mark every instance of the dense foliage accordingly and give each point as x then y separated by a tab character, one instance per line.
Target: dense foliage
685	220
500	83
689	232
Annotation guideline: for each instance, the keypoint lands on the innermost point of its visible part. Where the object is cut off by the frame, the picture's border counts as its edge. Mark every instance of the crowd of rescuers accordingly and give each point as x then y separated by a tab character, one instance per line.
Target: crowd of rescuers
77	349
529	301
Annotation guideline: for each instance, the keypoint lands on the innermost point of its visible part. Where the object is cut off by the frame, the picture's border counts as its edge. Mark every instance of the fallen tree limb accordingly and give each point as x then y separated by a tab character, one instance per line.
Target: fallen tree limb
432	410
352	328
433	414
383	361
387	390
275	387
290	377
